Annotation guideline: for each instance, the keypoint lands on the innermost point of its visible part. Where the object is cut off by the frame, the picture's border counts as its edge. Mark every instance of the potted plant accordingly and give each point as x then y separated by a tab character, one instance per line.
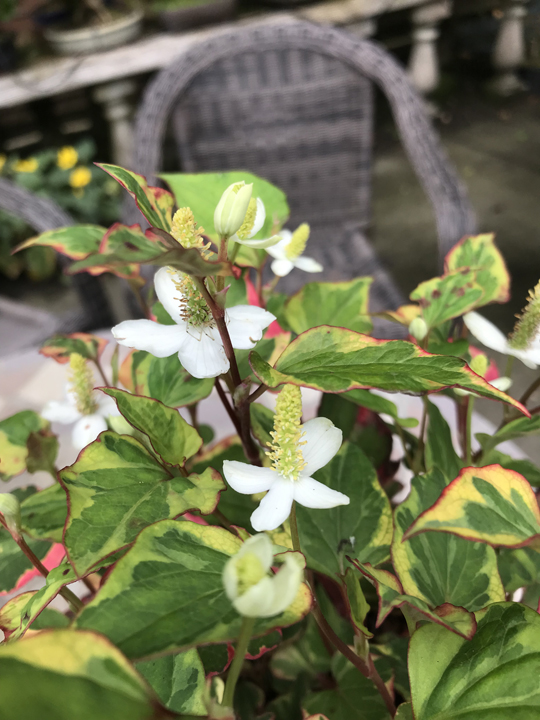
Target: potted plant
178	15
87	26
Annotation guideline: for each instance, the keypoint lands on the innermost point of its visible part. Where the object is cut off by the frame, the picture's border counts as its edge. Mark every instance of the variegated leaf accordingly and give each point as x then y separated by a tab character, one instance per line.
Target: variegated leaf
437	567
60	347
76	242
335	360
175	571
14	434
490	504
178	681
480	254
447	297
117	488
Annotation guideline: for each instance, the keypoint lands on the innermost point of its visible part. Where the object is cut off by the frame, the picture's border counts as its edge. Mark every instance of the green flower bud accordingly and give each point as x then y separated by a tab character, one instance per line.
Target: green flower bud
232	208
418	329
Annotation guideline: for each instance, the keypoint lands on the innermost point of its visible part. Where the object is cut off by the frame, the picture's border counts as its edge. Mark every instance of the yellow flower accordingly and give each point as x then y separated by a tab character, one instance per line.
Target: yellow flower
67	157
80	177
26	166
3	159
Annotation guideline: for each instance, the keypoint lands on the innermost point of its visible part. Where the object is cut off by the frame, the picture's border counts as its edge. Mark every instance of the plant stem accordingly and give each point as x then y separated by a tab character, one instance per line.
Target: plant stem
257	393
421	445
367	669
70	597
226	404
238	660
468	431
192	410
101	372
530	390
408	455
136	290
294	529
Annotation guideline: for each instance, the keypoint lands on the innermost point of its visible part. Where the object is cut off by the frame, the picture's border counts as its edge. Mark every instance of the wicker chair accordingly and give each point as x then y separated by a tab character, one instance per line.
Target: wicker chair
43	215
293	102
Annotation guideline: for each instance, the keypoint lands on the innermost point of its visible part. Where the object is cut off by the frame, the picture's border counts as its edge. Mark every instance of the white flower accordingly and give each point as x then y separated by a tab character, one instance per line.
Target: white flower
231	209
288	253
86	427
321	442
490	336
253	225
249	586
194	336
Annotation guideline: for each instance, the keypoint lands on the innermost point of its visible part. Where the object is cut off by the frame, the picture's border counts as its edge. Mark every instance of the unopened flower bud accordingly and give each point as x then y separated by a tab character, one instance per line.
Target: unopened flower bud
232	208
251	587
10	510
418	329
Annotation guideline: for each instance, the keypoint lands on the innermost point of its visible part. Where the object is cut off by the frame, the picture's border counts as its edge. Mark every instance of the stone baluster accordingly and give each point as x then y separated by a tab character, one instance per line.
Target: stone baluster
424	59
509	50
115	98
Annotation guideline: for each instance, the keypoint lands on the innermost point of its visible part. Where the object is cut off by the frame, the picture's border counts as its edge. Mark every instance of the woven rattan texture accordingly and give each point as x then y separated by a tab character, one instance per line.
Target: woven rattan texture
293	103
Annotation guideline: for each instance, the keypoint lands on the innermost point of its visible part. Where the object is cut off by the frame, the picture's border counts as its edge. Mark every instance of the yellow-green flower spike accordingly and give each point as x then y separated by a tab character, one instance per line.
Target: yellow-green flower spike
528	324
185	231
249	571
249	220
193	307
286	449
82	384
298	242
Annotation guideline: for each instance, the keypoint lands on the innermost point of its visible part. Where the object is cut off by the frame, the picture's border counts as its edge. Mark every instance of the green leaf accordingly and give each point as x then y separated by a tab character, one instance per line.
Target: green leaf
335	360
391	595
440	451
63	674
77	242
155	203
479	253
262	423
489	504
43	514
519	568
19	613
170	435
13	563
202	192
522	427
14	434
342	304
60	347
174	571
447	297
362	529
163	379
378	404
340	411
307	656
524	467
354	698
358	605
404	712
178	681
117	488
494	676
437	567
237	508
42	447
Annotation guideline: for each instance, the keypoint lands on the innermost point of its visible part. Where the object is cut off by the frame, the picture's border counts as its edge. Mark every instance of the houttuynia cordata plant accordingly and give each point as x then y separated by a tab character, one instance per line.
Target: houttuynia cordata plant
272	573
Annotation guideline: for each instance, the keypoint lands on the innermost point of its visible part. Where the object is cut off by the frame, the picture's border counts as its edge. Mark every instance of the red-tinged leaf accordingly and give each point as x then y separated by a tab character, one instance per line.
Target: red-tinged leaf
335	360
60	347
490	504
76	242
51	560
156	204
480	254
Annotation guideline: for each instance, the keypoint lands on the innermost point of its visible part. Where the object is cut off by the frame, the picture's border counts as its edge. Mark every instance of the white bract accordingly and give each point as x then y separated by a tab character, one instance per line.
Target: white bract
490	336
251	587
86	427
194	335
288	253
297	452
253	222
231	209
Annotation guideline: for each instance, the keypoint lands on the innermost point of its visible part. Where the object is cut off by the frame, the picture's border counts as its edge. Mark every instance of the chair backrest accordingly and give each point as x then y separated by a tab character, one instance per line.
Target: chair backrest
293	102
42	215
